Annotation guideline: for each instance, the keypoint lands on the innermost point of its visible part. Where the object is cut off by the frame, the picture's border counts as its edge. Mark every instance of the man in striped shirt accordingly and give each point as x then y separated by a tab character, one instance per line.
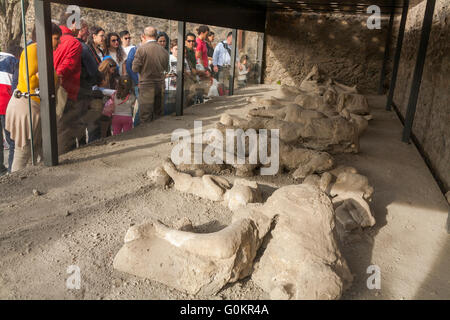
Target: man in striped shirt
9	72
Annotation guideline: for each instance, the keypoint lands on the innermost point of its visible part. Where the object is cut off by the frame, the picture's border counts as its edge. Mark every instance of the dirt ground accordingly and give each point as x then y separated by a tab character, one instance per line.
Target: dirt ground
98	191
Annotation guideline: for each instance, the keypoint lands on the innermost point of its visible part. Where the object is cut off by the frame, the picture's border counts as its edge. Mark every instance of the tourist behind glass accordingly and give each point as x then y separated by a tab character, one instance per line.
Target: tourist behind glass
125	37
135	78
114	50
9	69
244	69
161	39
88	79
151	62
191	73
201	52
108	71
171	79
17	113
120	106
67	62
89	67
107	82
190	52
96	41
222	60
210	48
164	43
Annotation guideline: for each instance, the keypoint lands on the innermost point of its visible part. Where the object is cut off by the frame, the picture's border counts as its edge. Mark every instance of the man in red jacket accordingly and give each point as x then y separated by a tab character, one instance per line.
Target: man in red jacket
67	59
67	63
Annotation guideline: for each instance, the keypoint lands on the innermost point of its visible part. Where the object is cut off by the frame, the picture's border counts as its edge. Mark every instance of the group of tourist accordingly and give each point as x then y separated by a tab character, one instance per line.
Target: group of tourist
104	84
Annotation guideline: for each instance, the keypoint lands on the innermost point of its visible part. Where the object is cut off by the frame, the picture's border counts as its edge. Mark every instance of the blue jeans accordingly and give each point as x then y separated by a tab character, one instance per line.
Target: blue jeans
11	147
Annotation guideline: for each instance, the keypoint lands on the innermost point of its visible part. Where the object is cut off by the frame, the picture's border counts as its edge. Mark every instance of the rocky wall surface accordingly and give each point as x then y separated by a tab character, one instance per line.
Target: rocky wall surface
341	45
116	22
432	119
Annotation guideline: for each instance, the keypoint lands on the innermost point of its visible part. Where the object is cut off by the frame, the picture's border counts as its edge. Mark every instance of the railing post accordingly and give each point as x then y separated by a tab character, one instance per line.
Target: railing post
233	62
418	70
180	68
46	82
398	51
260	56
387	52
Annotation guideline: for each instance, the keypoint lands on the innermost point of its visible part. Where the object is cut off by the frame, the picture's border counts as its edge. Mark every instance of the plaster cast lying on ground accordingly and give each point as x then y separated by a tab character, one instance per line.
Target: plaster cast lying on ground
318	93
190	262
351	193
316	83
301	260
304	162
269	102
214	188
242	193
207	187
300	161
217	164
290	113
333	135
297	114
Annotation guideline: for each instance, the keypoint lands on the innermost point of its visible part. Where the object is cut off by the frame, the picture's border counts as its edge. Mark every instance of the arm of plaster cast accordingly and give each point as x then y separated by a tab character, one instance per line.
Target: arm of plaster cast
221	245
182	180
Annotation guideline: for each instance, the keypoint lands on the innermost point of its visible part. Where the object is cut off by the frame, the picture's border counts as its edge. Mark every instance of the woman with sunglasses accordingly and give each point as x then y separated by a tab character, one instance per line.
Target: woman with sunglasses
108	70
115	51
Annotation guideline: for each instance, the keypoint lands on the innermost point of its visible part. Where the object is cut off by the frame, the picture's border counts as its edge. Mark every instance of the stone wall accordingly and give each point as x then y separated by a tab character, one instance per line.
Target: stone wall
116	22
341	45
432	120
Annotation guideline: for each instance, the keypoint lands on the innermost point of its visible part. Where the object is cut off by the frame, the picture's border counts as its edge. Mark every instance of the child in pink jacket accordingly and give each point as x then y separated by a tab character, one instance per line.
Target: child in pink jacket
121	105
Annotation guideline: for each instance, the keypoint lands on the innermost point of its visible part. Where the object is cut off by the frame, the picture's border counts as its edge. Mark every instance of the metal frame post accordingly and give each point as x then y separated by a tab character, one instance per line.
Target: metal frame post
180	68
398	51
46	82
233	63
260	55
24	31
418	70
387	49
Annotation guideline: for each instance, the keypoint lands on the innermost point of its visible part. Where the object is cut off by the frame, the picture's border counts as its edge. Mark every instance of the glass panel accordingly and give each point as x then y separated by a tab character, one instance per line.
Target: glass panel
248	59
84	114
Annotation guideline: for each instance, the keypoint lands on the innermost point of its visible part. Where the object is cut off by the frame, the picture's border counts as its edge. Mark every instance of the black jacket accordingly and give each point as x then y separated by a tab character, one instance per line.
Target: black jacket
89	70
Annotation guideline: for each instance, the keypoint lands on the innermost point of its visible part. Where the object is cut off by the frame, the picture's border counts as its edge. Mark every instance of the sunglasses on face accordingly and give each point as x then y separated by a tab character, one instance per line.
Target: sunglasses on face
190	40
129	38
114	40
